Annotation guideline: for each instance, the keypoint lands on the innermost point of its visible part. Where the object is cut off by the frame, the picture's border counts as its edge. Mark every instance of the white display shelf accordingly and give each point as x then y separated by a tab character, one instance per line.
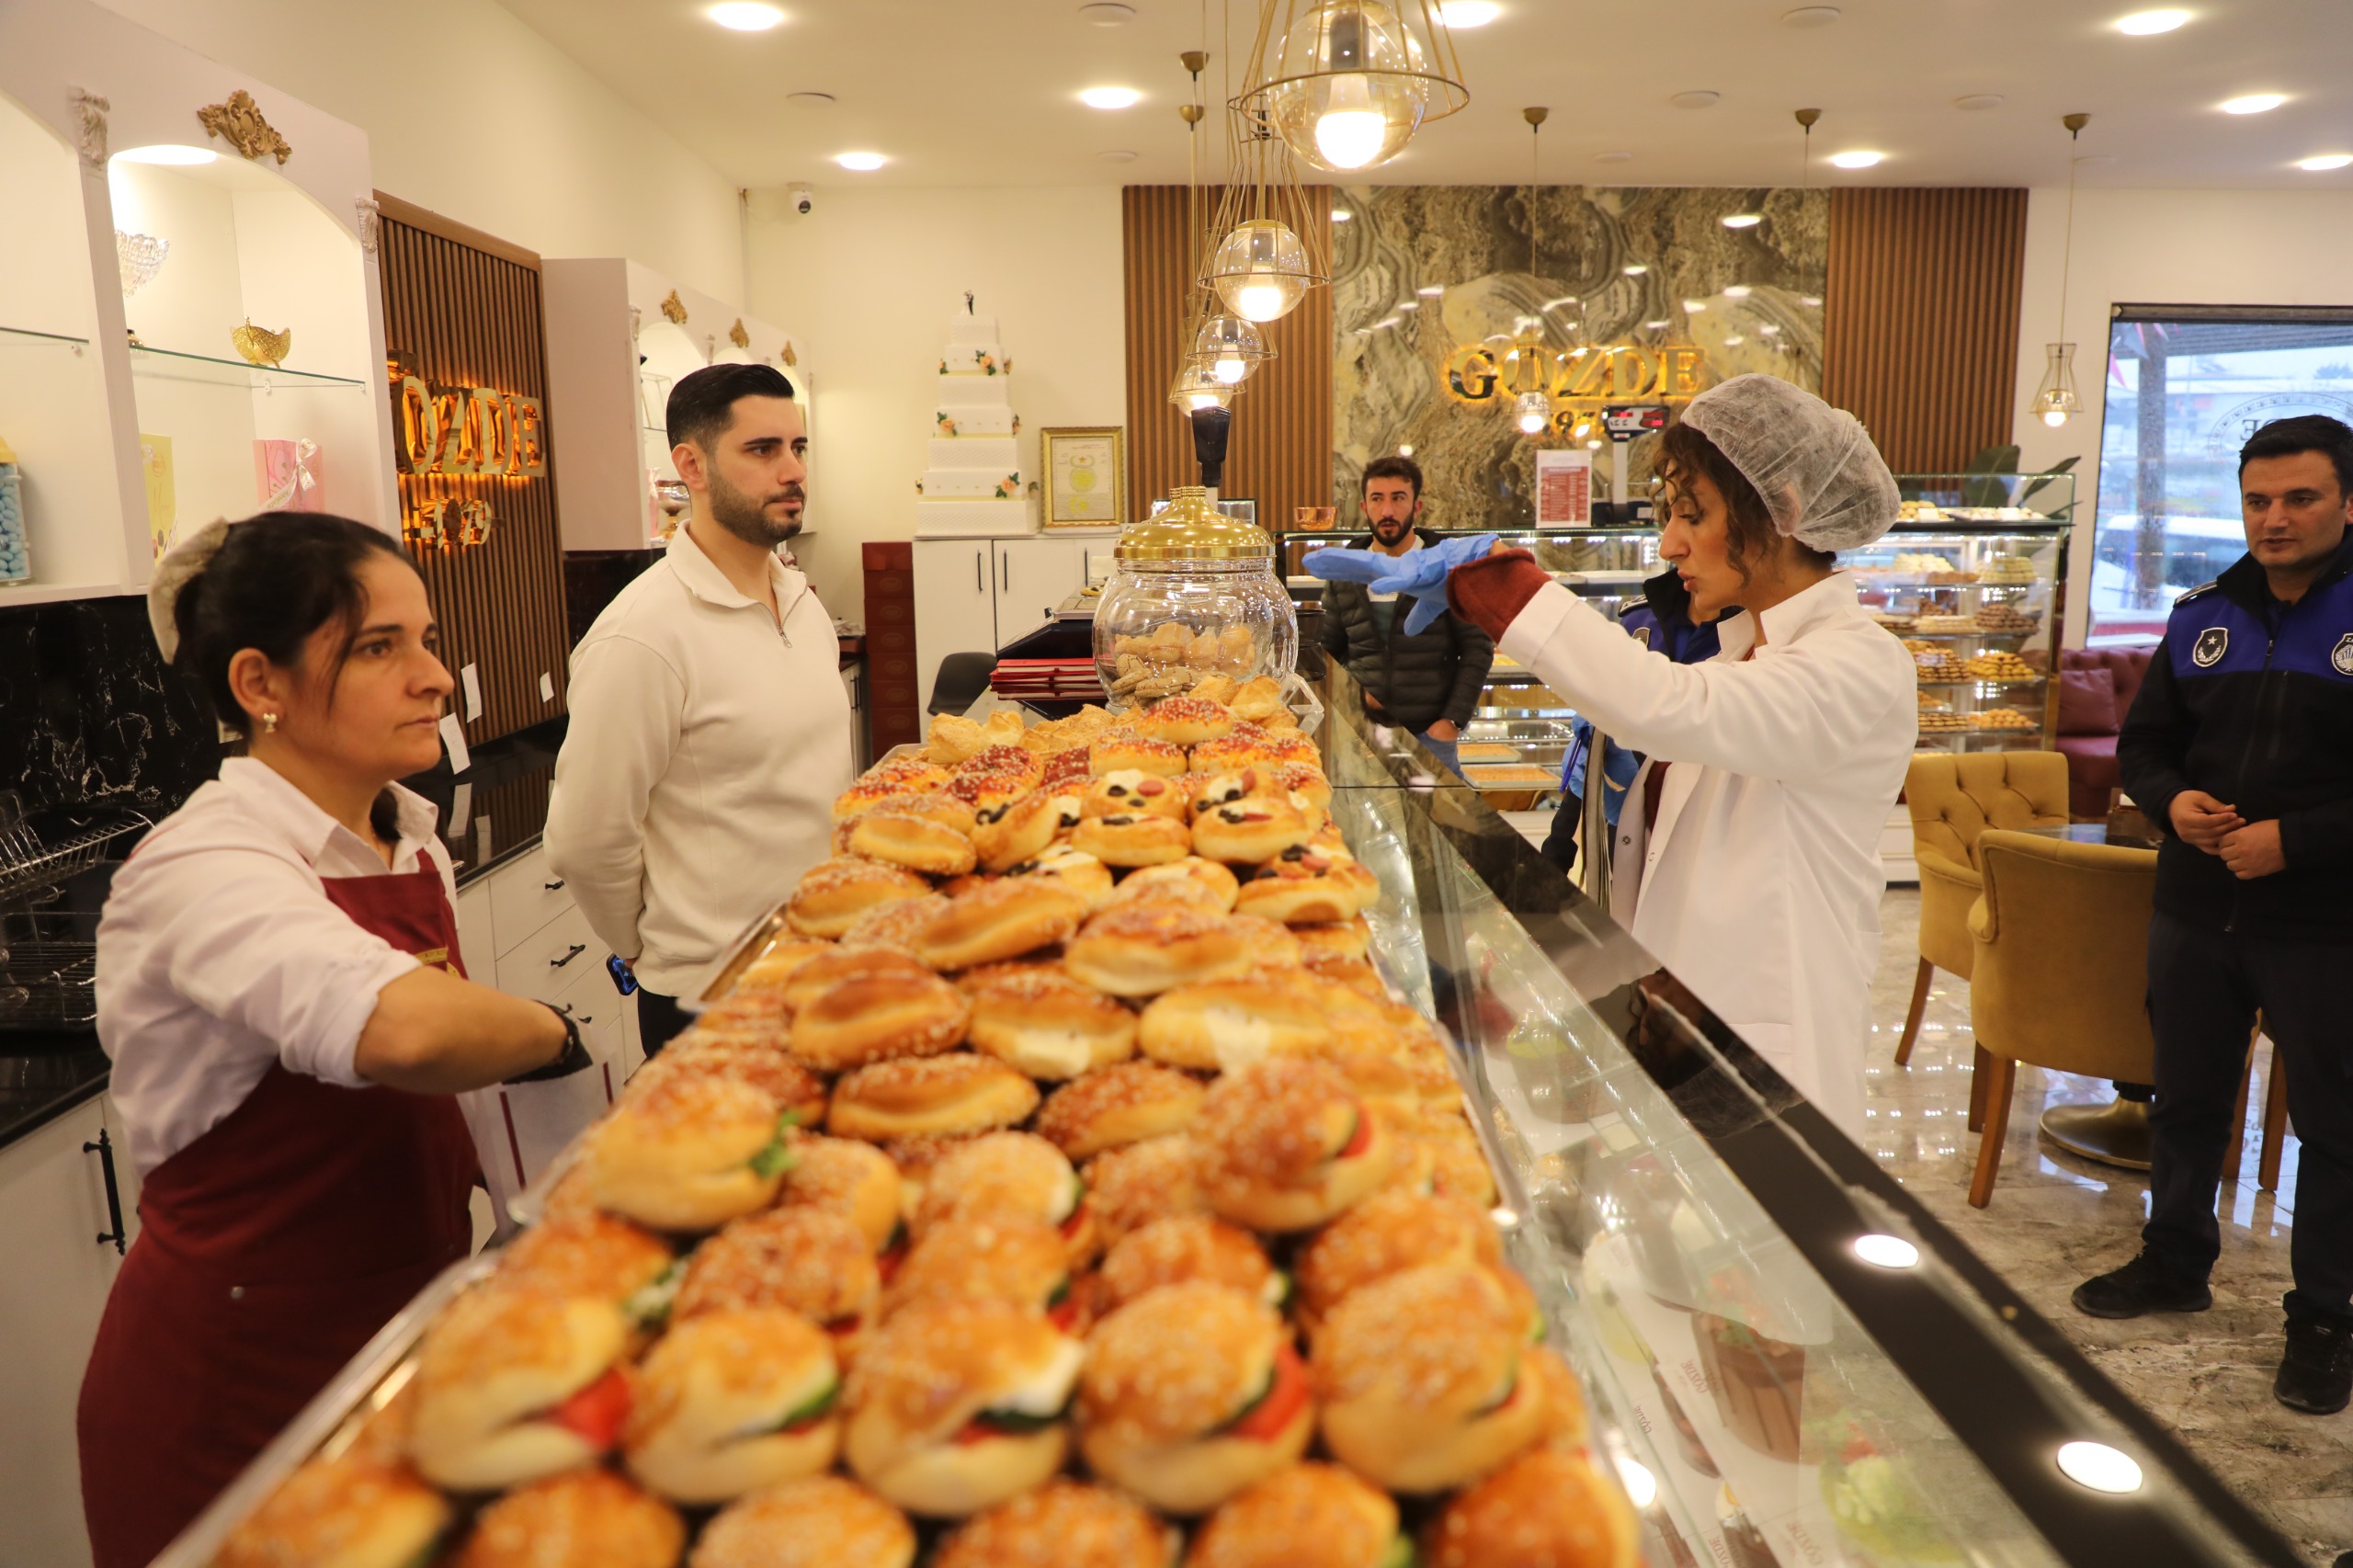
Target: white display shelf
171	365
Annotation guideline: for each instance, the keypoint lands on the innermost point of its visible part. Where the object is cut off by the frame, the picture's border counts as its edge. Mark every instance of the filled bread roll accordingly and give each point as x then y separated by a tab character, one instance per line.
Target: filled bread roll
1002	920
1132	791
1075	870
1303	778
1024	829
1008	1175
1184	1249
913	839
592	1255
1305	887
690	1153
822	1521
777	964
1146	948
997	776
1310	1515
1118	750
1250	832
1062	1525
1213	884
845	961
1136	1184
513	1384
587	1519
1349	939
352	1511
1325	962
1547	1507
946	810
804	1261
1221	1025
958	1406
766	1067
1010	1259
1184	721
1038	1019
731	1400
1125	1103
1134	838
1259	699
1191	1392
878	1016
1287	1146
961	1092
849	1180
1271	944
832	896
895	926
912	777
1389	1233
1420	1375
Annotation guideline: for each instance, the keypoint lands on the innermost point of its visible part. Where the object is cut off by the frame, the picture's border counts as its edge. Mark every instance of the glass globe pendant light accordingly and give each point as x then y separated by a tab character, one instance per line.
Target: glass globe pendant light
2055	400
1229	347
1261	270
1197	386
1534	411
1347	82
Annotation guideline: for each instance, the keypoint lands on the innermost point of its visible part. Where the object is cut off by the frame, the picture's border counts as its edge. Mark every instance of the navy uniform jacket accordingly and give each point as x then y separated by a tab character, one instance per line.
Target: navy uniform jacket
2251	701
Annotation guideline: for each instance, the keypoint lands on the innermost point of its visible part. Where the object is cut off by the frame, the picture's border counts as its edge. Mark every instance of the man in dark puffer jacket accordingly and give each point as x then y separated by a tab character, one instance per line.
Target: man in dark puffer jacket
1429	682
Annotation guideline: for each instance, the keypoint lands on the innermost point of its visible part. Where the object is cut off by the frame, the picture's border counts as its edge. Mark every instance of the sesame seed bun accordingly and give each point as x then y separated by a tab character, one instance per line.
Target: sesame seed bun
824	1521
1221	1024
1000	920
585	1255
1138	1183
829	899
795	1260
588	1519
492	1370
878	1016
1309	1516
844	1177
707	1423
349	1512
1549	1508
1122	1104
1006	1176
1142	949
681	1154
961	1092
1037	1018
1287	1145
759	1063
1063	1524
1389	1233
1182	1248
1011	1260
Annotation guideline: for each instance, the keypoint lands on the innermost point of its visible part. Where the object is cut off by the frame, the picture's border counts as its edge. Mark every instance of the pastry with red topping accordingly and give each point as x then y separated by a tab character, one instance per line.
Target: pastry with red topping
1008	1175
1305	886
1287	1145
514	1384
795	1259
731	1400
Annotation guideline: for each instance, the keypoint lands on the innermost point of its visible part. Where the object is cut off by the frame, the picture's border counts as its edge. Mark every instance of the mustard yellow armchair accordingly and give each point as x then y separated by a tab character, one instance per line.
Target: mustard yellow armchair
2060	970
1953	799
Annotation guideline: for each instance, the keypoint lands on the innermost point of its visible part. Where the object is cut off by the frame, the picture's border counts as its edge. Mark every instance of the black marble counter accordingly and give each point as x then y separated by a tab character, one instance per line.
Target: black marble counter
495	810
42	1077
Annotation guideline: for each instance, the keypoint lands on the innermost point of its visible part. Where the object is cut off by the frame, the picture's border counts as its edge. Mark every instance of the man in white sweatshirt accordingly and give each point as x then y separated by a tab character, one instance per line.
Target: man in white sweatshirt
710	731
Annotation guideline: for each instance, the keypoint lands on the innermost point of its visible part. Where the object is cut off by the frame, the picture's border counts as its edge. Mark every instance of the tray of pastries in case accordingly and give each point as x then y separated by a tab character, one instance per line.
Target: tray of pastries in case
1902	625
2008	570
2006	668
2000	718
2004	621
1940	721
1051	1179
1940	666
1512	776
1948	623
1468	752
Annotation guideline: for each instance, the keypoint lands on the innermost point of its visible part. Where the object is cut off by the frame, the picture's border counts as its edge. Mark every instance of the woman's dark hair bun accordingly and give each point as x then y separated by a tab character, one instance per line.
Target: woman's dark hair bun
275	579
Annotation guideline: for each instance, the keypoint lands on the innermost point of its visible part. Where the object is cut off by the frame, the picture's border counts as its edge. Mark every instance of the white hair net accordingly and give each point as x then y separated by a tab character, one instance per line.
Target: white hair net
1814	465
179	566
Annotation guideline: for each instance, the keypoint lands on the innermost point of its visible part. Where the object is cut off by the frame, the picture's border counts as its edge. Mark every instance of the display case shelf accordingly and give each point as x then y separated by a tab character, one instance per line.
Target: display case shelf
172	365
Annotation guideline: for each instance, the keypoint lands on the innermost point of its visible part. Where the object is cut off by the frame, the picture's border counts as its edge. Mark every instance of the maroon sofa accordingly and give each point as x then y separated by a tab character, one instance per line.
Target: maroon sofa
2087	730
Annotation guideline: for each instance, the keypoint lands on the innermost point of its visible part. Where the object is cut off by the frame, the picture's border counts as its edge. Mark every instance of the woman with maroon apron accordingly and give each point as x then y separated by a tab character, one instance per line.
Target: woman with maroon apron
280	994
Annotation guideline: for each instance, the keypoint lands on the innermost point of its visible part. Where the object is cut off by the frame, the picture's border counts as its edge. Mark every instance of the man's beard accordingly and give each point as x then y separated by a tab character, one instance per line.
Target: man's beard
1391	532
747	519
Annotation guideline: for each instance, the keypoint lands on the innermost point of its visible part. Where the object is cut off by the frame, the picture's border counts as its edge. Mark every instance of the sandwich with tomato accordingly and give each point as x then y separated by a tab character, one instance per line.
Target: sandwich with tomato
515	1384
731	1400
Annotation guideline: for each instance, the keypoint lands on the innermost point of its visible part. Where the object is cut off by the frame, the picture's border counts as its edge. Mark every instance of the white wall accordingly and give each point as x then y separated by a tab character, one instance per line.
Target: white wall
867	284
2175	247
473	114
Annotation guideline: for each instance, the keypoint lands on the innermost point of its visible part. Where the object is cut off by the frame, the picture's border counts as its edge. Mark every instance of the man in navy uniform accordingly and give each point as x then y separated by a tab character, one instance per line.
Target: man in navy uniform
1661	620
2240	746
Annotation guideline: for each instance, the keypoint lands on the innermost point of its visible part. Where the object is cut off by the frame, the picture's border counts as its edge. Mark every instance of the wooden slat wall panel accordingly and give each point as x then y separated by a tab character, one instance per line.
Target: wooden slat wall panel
462	314
1921	319
1280	451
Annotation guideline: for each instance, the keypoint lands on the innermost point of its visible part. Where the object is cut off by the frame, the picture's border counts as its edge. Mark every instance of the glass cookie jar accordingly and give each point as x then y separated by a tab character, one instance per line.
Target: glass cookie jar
1193	593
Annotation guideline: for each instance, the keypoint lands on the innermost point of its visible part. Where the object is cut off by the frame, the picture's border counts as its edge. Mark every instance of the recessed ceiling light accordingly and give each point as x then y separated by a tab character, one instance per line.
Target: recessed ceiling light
1700	97
1468	13
1856	160
1635	268
2325	162
863	163
1117	156
810	101
1108	13
2140	23
1811	17
1613	158
2255	103
746	16
1975	101
1744	219
1109	97
167	155
1736	290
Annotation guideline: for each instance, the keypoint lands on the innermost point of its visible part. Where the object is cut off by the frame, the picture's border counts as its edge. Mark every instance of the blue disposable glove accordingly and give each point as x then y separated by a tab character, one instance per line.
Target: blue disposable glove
1421	573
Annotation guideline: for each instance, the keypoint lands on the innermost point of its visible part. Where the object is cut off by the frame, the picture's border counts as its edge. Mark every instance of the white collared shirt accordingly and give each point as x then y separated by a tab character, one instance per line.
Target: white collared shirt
696	780
1759	885
220	952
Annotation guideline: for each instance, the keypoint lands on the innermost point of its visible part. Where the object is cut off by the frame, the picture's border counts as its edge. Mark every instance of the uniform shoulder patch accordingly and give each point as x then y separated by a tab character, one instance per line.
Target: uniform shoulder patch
2211	645
1630	605
2340	658
2206	588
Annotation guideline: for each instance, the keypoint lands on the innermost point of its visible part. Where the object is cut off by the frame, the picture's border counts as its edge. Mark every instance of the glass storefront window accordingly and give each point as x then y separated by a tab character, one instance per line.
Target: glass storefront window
2186	387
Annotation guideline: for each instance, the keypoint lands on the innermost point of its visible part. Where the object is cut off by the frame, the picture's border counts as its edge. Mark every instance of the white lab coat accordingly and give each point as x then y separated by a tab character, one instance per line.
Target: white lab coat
1759	886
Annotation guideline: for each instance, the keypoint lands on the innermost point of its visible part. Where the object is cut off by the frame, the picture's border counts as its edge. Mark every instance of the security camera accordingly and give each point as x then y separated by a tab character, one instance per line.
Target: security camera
803	197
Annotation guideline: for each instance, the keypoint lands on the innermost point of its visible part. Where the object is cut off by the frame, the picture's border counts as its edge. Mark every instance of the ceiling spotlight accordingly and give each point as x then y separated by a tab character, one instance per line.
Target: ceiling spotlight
1613	158
1108	13
810	101
1117	156
166	154
2255	103
1405	449
745	16
1697	99
1468	13
2140	23
863	163
1744	219
1811	17
1858	159
1635	268
1972	102
2325	162
1109	97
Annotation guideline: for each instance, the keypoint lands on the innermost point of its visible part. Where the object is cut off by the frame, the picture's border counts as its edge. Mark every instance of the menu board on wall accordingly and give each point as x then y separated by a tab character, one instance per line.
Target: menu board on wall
1563	489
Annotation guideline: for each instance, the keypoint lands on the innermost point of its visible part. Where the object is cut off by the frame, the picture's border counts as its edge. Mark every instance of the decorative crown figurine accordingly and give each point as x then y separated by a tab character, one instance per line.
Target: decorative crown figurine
261	347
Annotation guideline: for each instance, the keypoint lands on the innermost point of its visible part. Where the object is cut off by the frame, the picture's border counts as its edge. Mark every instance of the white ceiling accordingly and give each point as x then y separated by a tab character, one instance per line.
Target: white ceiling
984	92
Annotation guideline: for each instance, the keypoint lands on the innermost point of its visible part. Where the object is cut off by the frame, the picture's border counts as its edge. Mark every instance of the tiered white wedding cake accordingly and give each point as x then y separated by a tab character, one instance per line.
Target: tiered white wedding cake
973	486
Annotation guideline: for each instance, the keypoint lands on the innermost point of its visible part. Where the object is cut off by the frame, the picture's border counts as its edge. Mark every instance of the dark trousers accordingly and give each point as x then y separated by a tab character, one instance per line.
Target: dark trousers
660	1021
2204	989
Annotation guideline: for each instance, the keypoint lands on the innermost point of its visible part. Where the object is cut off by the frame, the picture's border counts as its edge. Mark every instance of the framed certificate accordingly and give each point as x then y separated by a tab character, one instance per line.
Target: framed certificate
1086	479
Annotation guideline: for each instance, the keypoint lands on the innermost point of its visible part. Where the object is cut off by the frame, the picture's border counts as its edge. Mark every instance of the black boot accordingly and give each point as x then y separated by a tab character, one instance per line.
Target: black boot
2143	1285
2316	1374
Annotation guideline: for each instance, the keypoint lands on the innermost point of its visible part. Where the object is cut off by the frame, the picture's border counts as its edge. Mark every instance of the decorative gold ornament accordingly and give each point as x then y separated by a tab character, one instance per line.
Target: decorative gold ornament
737	335
673	308
790	357
1193	530
259	345
239	122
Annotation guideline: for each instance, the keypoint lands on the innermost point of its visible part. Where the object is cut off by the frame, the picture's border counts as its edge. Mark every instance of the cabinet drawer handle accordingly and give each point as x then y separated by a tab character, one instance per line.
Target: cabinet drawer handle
577	949
976	573
104	1150
555	886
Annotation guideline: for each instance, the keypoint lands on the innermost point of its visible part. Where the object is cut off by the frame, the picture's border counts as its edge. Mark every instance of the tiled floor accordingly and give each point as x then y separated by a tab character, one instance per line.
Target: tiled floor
2055	1219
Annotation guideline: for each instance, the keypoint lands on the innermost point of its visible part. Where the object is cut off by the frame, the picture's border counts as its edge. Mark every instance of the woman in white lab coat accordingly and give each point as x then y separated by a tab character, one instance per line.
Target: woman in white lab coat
1747	859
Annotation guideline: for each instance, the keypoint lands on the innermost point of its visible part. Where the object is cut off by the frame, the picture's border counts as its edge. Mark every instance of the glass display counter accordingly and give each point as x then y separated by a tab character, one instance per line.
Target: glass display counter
1790	1361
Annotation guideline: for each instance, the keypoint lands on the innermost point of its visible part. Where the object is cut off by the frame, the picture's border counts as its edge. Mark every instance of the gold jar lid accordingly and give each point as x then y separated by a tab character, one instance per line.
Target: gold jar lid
1193	530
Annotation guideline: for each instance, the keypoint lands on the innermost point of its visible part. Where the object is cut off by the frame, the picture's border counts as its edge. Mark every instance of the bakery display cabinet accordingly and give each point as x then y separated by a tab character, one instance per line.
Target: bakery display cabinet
1787	1360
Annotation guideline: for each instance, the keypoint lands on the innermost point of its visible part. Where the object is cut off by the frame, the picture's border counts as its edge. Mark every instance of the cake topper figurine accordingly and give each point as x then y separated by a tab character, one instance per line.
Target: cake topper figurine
968	301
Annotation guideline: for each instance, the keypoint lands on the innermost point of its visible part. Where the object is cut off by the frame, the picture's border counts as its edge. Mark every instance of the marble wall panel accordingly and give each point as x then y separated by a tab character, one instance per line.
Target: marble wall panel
89	713
1422	270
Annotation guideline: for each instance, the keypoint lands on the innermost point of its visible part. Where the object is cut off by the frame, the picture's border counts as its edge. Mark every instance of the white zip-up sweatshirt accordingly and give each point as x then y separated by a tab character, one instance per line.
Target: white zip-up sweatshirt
696	780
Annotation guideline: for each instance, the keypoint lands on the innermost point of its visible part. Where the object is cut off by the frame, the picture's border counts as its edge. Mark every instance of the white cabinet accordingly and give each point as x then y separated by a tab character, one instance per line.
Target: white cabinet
52	1291
974	596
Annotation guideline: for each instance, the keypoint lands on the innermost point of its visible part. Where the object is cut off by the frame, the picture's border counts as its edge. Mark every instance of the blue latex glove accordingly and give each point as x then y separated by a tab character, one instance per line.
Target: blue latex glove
1421	573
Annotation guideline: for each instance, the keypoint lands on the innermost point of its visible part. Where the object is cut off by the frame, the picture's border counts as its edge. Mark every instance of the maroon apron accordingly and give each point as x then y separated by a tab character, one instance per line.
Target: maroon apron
270	1251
